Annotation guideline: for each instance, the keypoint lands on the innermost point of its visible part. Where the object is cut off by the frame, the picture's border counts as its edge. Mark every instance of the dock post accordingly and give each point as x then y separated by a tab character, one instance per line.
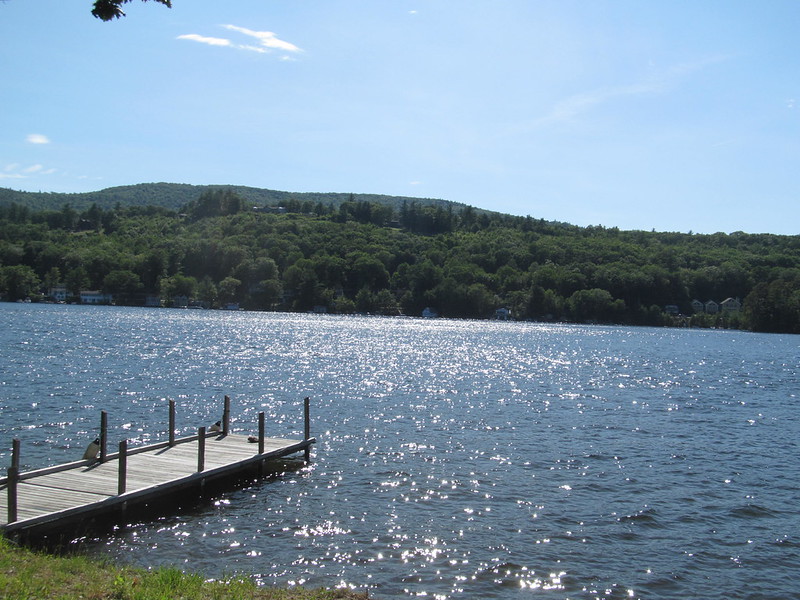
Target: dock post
13	478
103	435
307	428
122	474
261	432
171	423
201	449
226	416
15	453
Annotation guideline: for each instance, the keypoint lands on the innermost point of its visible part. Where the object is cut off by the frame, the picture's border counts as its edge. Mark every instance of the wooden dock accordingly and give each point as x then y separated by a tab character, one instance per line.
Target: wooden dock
46	499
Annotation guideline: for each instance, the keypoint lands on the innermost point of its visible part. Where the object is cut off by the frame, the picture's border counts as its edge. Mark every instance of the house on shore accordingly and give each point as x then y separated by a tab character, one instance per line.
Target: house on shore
95	297
502	314
731	306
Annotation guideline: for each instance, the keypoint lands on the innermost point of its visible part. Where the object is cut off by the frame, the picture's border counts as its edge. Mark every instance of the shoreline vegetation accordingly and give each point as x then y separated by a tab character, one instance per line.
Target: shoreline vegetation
241	248
26	574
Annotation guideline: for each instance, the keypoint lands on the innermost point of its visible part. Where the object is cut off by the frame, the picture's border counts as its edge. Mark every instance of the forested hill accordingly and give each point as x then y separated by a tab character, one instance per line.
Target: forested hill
176	195
370	257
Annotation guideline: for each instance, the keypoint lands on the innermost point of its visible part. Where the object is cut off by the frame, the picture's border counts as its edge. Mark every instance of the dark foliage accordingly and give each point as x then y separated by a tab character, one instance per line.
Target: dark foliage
362	256
108	10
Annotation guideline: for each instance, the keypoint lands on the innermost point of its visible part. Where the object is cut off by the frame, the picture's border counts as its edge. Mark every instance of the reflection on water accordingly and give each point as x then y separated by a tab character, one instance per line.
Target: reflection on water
455	459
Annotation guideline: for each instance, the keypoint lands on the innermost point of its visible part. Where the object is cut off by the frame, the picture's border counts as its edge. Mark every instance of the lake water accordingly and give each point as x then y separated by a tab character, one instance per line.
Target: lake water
455	459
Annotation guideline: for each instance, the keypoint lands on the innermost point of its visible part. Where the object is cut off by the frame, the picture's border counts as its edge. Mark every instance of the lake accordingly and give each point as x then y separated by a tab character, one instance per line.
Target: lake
455	459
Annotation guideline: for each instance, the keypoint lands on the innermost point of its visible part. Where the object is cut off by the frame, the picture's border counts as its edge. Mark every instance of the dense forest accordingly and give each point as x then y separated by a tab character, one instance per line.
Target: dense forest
364	255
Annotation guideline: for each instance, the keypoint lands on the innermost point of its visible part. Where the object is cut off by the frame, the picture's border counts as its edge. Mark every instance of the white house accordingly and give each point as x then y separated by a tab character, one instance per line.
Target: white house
697	306
58	293
711	307
502	314
95	297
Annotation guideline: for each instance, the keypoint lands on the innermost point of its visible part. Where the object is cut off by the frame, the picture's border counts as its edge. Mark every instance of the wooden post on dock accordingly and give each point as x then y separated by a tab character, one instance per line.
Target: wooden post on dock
103	435
261	432
307	428
201	449
122	475
226	416
13	478
171	423
15	453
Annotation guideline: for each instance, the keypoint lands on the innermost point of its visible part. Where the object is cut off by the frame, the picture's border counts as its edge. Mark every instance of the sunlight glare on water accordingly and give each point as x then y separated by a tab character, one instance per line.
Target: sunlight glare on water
455	459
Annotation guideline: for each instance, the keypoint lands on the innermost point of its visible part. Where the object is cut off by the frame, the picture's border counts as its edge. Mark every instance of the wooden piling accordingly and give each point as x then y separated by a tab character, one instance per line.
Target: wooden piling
226	416
171	423
103	435
122	475
15	453
13	479
201	449
261	432
307	427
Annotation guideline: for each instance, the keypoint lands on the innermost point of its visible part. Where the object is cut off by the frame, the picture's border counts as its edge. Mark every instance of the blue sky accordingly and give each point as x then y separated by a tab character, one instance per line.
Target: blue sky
671	115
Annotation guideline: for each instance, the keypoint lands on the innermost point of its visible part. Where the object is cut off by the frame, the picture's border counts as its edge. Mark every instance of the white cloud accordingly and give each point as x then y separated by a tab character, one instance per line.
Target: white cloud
211	41
16	171
576	105
267	41
37	138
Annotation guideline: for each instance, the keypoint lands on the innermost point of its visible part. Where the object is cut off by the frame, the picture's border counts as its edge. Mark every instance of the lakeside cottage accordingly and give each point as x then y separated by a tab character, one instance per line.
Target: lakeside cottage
59	293
731	306
95	297
502	314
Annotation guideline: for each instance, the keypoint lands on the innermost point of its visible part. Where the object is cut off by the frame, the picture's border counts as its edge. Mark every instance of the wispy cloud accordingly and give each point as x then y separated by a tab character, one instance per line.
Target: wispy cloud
37	138
574	106
211	41
16	171
266	41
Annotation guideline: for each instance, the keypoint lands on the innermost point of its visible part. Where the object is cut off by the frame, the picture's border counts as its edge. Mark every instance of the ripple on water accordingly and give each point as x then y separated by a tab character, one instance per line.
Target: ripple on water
455	459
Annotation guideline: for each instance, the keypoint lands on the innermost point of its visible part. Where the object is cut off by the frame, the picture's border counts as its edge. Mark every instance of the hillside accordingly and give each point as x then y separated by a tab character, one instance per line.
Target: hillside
175	195
369	257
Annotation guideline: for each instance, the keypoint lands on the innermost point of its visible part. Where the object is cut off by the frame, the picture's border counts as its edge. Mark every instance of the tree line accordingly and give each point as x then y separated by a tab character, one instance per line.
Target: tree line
370	257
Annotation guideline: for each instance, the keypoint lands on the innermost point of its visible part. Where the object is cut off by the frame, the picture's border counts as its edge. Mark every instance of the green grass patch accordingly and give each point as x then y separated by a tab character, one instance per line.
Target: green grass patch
31	575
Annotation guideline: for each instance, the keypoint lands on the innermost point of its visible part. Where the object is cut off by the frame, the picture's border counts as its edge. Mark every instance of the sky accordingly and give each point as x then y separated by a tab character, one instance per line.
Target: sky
655	115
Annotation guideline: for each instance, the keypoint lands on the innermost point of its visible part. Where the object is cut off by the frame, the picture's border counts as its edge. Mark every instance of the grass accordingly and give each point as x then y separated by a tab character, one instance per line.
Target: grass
30	575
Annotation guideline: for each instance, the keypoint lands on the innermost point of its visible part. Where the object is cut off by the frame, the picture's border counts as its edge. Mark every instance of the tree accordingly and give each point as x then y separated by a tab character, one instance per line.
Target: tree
123	284
177	286
108	10
207	292
76	279
18	282
229	289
